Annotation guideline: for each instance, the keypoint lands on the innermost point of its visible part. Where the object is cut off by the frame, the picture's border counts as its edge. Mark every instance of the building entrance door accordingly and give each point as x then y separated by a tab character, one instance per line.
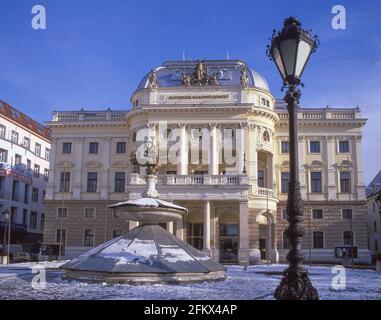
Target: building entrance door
262	248
229	239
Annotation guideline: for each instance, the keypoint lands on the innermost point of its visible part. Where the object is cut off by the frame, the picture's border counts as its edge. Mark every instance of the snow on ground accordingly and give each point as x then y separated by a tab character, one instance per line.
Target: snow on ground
257	282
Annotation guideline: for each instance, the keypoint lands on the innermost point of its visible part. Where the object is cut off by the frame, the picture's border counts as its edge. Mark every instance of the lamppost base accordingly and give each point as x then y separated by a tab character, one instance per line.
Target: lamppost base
295	285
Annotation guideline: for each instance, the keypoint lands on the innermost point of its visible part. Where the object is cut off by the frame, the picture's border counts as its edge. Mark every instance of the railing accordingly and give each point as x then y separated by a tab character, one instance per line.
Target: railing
89	116
192	180
265	192
321	114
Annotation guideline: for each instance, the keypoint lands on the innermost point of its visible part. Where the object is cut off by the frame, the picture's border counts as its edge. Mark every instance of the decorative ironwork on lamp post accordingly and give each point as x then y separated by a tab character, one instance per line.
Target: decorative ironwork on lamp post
290	49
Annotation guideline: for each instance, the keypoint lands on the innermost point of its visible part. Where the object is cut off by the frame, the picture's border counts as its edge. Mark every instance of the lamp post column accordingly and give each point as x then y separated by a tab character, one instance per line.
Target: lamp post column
295	284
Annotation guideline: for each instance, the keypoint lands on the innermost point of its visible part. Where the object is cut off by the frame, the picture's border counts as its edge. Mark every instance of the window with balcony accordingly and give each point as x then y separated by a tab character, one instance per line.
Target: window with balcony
318	240
284	147
37	149
89	213
120	180
3	130
35	195
348	238
121	147
65	182
347	214
33	220
14	137
345	182
316	185
88	238
314	146
343	146
66	147
261	178
26	143
92	181
3	155
62	212
93	147
317	214
285	178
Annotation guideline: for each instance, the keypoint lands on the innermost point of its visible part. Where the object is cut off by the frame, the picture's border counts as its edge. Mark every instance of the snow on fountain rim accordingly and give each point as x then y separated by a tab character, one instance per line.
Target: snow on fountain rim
148	202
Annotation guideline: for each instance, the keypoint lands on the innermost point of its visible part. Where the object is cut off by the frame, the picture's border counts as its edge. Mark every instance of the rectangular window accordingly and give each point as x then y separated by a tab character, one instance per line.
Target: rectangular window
284	214
88	238
261	178
286	244
316	182
93	147
314	146
35	195
345	182
348	238
120	180
28	164
24	217
15	137
117	233
13	214
66	147
343	146
33	220
36	171
65	182
317	214
62	212
89	213
121	147
3	155
42	221
318	240
347	213
196	235
92	181
61	235
15	190
374	226
18	159
46	174
47	153
285	147
26	193
37	149
26	143
3	129
285	178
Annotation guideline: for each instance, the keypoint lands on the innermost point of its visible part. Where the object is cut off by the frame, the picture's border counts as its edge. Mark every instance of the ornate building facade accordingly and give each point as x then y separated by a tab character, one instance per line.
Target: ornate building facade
223	153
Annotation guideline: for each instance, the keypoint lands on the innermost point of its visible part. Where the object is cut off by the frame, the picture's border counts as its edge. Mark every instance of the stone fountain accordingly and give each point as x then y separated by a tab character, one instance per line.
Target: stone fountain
147	253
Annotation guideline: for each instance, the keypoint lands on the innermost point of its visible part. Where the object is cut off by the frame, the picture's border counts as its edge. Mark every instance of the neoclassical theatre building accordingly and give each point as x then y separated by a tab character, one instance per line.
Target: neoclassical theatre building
222	140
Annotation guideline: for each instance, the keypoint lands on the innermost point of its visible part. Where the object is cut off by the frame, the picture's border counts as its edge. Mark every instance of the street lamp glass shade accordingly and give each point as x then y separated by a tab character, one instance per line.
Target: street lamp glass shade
290	49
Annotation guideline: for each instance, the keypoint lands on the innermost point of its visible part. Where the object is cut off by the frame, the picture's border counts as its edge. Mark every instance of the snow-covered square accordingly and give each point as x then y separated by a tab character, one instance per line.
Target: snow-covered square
255	283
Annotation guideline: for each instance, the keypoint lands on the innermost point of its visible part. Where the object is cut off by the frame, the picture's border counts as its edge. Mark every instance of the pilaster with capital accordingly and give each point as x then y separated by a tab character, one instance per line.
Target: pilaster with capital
213	151
78	142
104	190
253	157
360	187
330	168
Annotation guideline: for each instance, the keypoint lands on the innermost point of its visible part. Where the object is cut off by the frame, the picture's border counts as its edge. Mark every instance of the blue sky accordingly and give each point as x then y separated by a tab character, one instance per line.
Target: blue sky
94	52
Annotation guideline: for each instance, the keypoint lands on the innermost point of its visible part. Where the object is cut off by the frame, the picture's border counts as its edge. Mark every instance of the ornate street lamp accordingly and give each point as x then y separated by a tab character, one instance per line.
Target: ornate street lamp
290	49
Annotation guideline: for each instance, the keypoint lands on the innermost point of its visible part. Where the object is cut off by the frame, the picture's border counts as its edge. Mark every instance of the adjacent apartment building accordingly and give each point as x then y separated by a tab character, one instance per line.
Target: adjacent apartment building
24	170
374	214
223	149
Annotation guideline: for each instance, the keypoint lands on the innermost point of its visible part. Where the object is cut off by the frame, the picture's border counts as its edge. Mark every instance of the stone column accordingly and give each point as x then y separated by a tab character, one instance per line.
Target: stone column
330	170
213	151
77	179
170	227
359	183
106	168
301	156
180	229
182	167
242	148
243	252
206	248
213	234
52	184
253	158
